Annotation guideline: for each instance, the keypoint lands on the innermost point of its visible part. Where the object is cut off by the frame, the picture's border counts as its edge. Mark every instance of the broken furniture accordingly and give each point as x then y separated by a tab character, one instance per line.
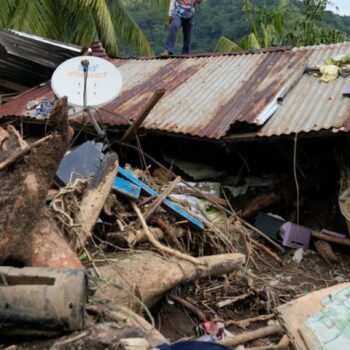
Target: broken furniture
41	300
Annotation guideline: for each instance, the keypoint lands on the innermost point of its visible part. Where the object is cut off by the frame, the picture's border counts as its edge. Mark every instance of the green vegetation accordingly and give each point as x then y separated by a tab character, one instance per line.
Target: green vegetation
79	22
138	27
233	19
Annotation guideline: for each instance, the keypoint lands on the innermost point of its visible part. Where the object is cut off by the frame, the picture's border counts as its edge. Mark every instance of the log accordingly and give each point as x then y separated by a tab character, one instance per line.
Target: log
331	239
49	248
325	250
94	198
24	186
259	203
143	115
250	336
150	275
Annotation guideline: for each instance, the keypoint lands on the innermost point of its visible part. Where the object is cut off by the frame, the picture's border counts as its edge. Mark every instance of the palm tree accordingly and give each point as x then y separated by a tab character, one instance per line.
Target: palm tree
79	22
270	27
267	27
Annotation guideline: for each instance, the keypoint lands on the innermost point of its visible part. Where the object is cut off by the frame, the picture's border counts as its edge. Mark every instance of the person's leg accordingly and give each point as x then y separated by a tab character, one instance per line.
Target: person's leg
172	34
187	25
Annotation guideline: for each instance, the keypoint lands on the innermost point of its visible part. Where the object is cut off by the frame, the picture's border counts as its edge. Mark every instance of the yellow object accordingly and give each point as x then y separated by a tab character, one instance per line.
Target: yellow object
329	72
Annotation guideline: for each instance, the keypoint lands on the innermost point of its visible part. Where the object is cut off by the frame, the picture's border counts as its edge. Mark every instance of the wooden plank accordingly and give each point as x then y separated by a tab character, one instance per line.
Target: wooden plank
126	188
143	115
167	204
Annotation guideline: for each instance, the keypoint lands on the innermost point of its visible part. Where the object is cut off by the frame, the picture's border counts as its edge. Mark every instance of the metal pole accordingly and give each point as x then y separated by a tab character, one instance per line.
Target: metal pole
85	64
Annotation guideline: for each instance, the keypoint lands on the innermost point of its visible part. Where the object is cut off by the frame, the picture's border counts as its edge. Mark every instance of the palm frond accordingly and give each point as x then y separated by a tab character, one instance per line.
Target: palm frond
7	10
226	45
36	17
127	30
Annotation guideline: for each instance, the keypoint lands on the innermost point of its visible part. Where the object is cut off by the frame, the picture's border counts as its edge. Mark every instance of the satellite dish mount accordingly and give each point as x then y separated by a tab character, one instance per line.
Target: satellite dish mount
85	63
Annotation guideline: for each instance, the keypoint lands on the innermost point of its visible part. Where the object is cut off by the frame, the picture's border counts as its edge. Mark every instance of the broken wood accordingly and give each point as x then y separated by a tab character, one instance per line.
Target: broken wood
127	321
160	247
267	251
143	115
23	152
245	323
150	275
159	200
283	344
189	306
172	232
325	250
250	336
23	190
231	301
330	239
94	198
259	203
132	237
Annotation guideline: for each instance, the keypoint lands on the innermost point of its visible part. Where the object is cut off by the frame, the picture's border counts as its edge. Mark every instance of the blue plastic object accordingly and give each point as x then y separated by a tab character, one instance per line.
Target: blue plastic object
126	188
167	204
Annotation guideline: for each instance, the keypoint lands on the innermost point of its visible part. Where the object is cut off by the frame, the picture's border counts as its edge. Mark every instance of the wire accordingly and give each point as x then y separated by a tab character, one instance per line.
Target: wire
296	176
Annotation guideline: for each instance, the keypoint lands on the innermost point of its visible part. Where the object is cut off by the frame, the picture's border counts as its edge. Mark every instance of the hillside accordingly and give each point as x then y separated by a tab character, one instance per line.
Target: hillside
215	18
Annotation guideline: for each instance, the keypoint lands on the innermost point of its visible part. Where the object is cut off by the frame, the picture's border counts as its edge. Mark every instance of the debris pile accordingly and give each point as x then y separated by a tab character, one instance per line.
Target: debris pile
130	257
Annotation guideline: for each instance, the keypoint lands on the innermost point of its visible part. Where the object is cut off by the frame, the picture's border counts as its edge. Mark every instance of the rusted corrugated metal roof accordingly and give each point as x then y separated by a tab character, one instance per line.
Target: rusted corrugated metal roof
207	95
204	95
313	105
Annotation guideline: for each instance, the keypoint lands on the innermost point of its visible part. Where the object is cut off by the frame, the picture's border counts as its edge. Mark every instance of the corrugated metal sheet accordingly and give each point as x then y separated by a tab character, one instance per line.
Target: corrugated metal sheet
313	105
27	60
207	95
204	95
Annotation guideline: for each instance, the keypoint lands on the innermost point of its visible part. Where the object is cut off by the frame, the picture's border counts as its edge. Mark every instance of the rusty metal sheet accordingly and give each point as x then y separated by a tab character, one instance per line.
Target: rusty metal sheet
312	105
204	95
212	96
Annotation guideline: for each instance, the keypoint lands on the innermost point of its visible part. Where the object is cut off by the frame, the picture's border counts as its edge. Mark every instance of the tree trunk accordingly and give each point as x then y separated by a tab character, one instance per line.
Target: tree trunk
24	186
149	275
94	198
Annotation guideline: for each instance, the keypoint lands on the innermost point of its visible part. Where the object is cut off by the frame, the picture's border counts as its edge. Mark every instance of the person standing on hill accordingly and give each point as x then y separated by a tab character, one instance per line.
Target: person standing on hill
181	14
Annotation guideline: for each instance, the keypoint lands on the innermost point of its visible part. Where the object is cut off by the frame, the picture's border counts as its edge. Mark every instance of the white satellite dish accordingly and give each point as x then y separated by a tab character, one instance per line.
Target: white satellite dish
103	84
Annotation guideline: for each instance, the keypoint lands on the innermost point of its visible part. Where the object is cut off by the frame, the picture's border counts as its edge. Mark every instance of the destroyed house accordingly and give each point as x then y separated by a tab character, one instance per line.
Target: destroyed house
219	200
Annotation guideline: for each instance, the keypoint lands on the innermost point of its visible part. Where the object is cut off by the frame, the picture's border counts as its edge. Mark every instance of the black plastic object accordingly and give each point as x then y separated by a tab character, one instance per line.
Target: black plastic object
36	300
269	225
82	161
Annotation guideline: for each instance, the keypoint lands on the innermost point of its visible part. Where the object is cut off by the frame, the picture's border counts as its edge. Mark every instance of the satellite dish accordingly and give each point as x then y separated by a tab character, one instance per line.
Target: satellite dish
103	83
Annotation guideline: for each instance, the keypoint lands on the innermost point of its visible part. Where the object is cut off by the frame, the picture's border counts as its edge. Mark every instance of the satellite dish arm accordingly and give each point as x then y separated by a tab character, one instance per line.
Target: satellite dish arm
85	64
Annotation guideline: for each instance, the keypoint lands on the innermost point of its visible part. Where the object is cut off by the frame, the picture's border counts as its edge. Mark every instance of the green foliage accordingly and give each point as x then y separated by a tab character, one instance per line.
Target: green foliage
226	18
79	22
273	27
